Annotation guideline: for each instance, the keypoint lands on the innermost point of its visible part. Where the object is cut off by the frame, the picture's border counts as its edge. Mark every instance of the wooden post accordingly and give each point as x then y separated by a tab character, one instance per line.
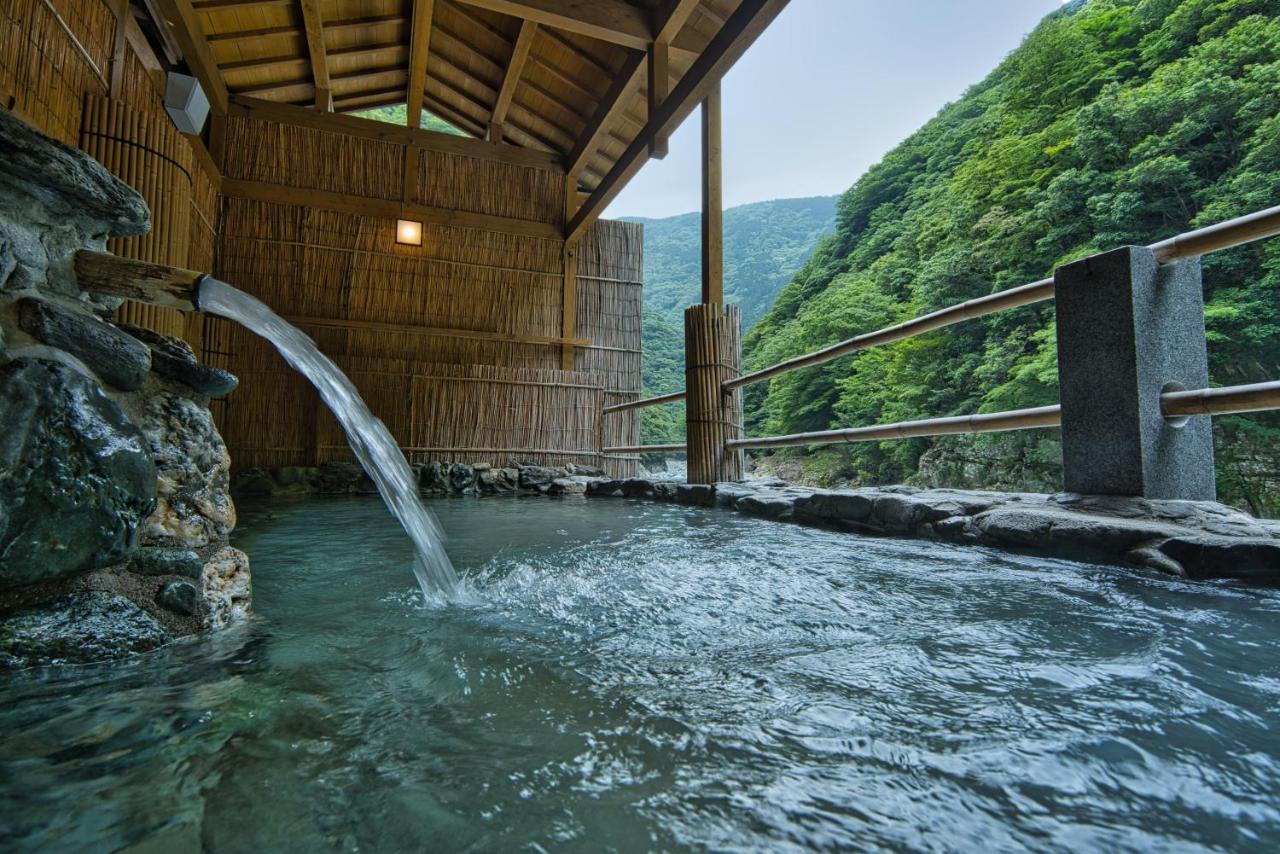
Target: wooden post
659	88
713	417
570	305
712	202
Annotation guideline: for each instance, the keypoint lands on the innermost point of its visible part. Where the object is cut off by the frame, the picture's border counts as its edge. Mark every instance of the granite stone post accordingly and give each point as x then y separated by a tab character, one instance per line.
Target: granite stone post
1128	330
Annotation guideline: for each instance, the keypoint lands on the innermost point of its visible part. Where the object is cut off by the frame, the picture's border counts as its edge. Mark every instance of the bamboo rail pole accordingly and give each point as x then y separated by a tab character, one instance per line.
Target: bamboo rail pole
1213	238
968	310
639	404
1174	404
646	449
1018	419
1222	401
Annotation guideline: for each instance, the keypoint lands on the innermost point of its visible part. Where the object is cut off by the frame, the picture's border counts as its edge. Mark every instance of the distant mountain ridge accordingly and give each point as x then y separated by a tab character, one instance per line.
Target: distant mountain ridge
765	243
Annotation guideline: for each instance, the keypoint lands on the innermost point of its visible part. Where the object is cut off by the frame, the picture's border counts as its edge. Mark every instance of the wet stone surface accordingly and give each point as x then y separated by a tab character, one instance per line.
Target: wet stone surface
1196	539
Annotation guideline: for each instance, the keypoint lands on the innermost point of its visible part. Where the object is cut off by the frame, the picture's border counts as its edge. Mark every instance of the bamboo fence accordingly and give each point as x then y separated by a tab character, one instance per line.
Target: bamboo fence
714	417
497	396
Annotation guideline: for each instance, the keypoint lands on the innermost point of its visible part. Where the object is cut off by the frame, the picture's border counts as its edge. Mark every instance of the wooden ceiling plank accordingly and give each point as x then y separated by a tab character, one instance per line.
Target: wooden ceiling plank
348	77
313	24
291	30
213	5
744	26
515	68
185	24
361	50
419	53
488	92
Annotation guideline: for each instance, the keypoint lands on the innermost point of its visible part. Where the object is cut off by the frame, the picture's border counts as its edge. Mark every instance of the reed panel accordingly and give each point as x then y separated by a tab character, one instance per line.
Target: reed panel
51	55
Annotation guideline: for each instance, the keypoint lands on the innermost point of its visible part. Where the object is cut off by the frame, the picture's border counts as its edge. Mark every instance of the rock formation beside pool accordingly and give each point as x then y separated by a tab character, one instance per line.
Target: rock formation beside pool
115	507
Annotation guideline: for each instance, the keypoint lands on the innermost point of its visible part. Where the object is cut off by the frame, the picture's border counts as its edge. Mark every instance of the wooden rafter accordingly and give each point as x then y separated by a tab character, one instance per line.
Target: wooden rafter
313	25
185	25
614	21
419	52
611	106
744	26
519	53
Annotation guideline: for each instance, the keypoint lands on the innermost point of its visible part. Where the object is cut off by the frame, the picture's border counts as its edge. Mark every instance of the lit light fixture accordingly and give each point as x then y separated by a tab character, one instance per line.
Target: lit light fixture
409	232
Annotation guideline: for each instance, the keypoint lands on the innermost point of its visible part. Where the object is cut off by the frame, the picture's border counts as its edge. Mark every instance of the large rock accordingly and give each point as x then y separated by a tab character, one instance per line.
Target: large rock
78	628
119	359
76	477
193	495
174	358
67	181
226	587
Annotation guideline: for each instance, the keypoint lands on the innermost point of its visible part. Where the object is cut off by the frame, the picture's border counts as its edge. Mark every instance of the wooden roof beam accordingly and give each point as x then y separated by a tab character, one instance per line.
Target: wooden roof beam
614	21
313	25
185	24
519	53
424	12
744	26
611	106
274	111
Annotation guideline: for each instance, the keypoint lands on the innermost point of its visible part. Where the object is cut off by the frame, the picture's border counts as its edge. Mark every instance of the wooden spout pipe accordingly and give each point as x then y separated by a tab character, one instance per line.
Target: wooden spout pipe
111	275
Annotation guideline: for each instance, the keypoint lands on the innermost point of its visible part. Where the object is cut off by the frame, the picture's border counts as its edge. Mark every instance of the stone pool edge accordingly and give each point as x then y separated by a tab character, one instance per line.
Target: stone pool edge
1186	539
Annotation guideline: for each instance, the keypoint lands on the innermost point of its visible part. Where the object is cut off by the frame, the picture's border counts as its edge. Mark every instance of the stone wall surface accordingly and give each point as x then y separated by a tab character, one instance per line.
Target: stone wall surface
115	506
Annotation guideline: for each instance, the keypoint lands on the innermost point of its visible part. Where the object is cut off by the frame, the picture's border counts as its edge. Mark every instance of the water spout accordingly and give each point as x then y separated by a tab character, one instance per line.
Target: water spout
369	438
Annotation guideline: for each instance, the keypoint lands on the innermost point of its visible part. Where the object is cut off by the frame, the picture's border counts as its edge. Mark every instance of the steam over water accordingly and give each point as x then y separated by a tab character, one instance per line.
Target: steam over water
369	438
636	677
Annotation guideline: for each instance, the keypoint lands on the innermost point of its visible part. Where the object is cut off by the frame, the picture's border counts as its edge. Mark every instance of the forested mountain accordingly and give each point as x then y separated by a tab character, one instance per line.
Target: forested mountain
398	115
1114	123
765	243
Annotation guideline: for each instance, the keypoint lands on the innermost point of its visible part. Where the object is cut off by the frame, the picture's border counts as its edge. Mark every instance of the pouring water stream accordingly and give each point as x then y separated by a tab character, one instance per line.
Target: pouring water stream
369	438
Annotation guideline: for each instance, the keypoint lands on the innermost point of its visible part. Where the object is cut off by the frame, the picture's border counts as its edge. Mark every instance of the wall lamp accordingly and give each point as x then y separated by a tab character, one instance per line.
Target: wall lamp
409	232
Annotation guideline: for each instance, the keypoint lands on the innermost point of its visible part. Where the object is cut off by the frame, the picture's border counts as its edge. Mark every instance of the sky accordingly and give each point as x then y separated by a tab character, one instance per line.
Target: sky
827	90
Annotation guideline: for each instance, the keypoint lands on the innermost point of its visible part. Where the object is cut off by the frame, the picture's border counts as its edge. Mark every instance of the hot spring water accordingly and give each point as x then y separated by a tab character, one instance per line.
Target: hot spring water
369	438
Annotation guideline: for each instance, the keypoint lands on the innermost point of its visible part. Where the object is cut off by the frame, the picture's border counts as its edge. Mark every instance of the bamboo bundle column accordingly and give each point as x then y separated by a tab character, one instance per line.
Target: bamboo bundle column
148	154
713	417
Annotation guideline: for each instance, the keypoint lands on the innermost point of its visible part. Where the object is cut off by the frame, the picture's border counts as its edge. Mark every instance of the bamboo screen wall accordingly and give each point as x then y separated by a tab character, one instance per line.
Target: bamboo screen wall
442	340
481	388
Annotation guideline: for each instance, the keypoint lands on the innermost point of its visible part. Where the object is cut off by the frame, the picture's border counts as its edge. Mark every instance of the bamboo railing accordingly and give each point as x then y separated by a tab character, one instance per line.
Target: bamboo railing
1178	404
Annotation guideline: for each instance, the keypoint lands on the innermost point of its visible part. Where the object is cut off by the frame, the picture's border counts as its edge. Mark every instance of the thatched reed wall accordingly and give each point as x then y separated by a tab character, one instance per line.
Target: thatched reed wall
455	344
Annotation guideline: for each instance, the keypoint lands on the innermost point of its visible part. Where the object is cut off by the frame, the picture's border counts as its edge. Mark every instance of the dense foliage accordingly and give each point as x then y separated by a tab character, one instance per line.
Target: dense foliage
398	115
765	243
1114	123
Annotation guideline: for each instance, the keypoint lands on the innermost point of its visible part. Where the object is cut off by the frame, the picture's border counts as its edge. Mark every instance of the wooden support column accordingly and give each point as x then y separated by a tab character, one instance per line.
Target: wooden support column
712	201
712	332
